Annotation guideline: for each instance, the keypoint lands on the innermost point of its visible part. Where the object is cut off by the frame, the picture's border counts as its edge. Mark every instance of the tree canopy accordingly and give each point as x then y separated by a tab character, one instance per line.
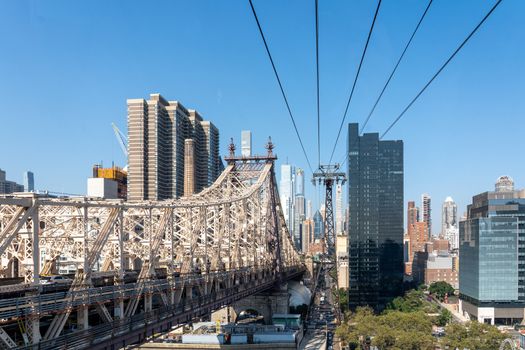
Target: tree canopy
472	335
407	325
440	289
394	330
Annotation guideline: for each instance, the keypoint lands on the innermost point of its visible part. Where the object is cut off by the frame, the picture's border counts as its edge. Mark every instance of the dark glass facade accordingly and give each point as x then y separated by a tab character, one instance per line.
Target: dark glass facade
492	250
375	190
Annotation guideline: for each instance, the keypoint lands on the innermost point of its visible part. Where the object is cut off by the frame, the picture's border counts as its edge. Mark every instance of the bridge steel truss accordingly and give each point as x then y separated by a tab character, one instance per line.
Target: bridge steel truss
193	255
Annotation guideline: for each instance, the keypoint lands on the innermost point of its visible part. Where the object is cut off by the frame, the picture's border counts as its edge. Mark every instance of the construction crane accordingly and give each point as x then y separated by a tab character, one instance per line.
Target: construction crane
327	175
121	138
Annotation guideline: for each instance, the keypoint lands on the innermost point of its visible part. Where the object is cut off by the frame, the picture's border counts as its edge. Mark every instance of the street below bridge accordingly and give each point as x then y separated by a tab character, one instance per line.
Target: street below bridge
321	322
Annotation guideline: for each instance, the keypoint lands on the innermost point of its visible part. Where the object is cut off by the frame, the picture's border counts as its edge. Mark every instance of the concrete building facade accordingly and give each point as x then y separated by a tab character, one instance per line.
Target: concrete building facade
157	132
100	187
307	235
341	251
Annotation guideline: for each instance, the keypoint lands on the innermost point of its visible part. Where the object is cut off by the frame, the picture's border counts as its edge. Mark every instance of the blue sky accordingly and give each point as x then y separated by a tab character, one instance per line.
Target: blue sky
67	68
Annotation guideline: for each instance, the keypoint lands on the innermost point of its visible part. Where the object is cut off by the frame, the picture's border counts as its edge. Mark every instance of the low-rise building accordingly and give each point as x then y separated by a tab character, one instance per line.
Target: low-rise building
440	267
116	174
435	265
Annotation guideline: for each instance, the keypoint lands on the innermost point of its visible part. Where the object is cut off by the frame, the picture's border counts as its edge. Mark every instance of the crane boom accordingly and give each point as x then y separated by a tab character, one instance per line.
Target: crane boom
121	139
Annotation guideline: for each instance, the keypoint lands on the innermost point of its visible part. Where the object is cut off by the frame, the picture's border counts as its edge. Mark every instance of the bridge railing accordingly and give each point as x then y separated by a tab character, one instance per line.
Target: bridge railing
139	326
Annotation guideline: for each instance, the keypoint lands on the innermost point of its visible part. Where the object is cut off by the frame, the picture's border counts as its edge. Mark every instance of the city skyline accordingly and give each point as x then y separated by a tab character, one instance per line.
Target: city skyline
460	102
302	174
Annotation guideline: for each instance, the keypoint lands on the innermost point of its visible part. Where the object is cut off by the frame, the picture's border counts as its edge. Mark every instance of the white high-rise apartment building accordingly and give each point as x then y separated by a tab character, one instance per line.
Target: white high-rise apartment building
246	143
157	133
449	222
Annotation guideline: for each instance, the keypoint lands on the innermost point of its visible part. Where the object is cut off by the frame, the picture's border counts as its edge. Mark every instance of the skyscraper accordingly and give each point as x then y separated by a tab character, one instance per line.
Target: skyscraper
308	209
318	225
157	132
212	153
449	222
427	211
299	205
246	143
29	181
491	258
307	235
299	182
286	192
412	216
412	235
375	190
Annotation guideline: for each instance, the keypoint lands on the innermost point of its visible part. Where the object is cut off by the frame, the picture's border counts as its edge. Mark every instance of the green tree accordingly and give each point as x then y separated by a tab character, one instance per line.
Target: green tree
392	330
341	295
472	335
360	323
439	289
444	318
412	301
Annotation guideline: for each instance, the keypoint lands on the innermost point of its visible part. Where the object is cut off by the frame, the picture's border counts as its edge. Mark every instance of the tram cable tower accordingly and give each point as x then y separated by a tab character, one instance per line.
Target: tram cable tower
328	175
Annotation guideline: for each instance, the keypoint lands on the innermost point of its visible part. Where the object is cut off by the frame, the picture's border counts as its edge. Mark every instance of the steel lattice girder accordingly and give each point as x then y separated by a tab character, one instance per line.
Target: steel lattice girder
230	225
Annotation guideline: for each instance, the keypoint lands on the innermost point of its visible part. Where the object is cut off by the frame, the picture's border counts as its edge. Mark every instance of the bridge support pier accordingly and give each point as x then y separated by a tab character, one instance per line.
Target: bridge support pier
83	317
265	304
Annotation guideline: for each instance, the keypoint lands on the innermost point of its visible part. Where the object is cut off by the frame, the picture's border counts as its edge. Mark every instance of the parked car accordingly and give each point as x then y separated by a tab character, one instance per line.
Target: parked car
56	279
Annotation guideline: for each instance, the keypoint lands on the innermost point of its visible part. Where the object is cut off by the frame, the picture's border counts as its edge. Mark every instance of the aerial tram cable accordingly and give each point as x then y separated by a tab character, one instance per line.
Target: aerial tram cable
437	73
395	67
280	85
317	70
441	69
355	79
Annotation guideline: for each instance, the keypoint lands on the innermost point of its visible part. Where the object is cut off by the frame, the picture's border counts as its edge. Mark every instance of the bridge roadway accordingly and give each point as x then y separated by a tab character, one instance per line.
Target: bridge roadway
137	328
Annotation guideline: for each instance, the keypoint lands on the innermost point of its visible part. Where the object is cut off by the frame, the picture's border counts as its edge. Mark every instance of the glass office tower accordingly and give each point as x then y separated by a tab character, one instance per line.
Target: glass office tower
375	189
492	257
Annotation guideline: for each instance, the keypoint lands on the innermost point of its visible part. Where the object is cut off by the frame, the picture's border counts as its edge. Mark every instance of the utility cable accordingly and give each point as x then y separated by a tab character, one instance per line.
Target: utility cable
441	69
390	77
355	80
317	68
280	85
395	68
